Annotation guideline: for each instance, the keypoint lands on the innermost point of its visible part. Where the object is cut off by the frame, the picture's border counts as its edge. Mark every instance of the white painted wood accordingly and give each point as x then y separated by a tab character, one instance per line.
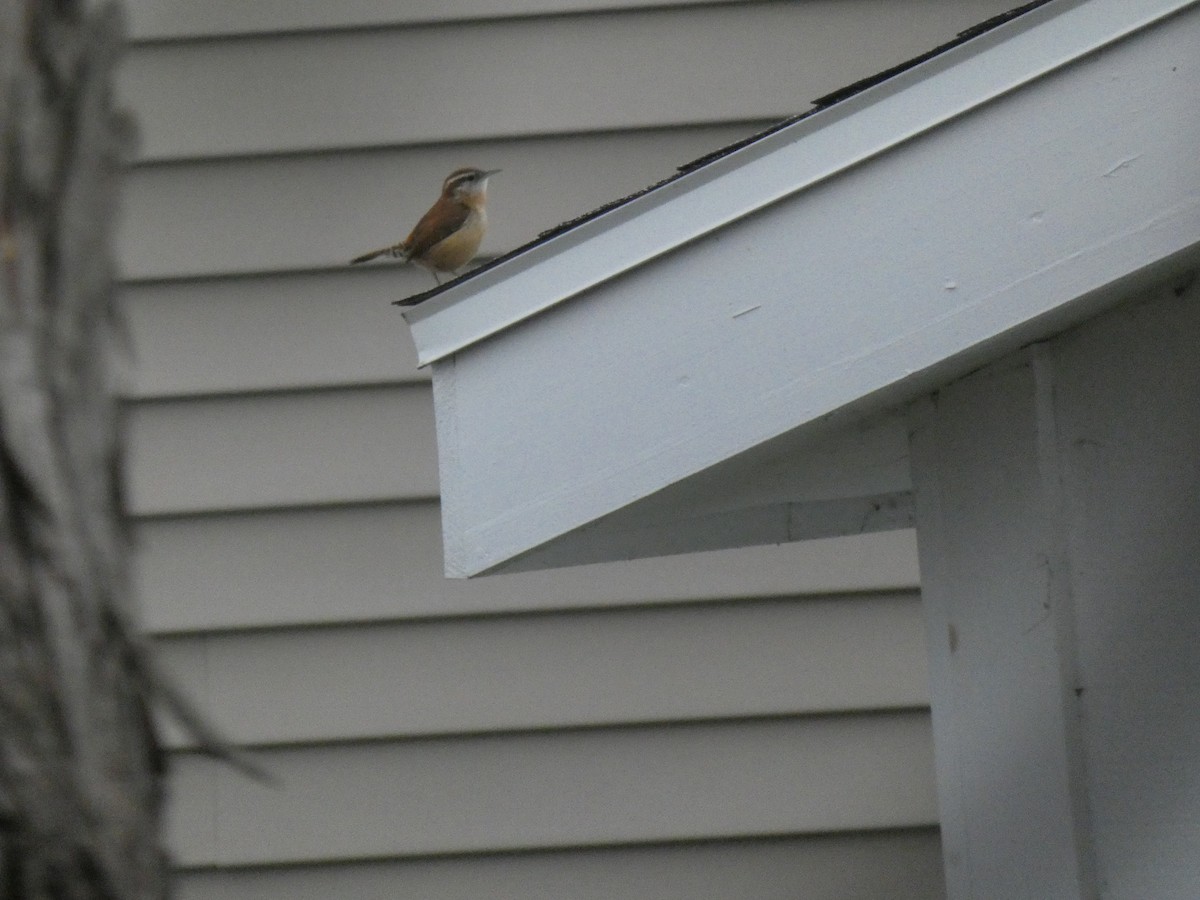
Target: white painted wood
702	63
855	480
383	562
730	356
997	599
1060	565
834	867
271	450
560	789
1128	436
785	521
311	211
750	658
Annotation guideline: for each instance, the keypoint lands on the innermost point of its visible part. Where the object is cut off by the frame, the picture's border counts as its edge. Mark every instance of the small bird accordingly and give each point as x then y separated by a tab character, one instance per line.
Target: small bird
448	235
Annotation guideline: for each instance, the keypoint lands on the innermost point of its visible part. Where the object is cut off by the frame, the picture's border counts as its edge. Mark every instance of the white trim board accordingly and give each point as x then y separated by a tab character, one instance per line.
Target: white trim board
1000	192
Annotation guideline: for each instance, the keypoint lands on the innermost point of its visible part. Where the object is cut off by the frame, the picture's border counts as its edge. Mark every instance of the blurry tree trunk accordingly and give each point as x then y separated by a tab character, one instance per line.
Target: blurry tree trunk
81	771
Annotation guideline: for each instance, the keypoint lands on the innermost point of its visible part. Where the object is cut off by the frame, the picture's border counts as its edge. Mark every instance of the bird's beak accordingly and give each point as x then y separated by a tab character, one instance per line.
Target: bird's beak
490	172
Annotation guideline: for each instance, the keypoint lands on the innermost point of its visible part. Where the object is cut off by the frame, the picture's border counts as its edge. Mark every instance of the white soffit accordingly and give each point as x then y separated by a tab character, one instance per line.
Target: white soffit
1003	190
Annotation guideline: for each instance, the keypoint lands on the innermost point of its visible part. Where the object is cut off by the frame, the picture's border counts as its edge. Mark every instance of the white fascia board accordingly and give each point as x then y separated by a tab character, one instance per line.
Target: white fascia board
644	395
791	160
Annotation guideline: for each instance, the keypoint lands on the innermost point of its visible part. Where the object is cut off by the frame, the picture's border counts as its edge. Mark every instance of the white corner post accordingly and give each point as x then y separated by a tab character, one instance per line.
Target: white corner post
1058	516
996	593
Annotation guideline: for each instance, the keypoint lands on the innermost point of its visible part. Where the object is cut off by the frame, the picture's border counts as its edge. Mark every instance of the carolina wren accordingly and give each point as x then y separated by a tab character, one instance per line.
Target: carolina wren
448	235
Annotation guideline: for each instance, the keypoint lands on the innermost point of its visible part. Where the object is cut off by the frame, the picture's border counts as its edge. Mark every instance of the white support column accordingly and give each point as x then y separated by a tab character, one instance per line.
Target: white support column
1058	516
997	597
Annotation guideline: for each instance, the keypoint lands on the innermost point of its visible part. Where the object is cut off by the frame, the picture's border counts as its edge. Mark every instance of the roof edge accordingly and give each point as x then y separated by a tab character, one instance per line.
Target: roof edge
810	150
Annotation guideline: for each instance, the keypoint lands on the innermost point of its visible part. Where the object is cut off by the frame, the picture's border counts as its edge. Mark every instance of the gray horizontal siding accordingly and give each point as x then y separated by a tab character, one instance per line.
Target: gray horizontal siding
236	335
873	866
272	450
710	661
514	77
383	561
560	789
179	19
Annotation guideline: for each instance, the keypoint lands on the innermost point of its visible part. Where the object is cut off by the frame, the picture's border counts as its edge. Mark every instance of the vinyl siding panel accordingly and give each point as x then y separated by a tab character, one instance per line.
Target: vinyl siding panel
560	789
453	676
744	723
518	77
289	333
828	867
179	19
271	450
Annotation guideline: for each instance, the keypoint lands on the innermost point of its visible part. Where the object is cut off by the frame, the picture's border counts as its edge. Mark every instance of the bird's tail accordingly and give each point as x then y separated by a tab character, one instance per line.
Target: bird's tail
369	256
393	251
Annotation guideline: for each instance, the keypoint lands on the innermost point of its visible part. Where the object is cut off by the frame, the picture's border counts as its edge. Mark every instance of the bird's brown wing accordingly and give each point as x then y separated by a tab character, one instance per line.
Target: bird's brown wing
435	226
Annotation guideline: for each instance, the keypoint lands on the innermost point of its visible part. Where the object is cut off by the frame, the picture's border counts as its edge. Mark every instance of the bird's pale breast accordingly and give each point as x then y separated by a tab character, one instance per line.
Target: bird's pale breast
459	248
